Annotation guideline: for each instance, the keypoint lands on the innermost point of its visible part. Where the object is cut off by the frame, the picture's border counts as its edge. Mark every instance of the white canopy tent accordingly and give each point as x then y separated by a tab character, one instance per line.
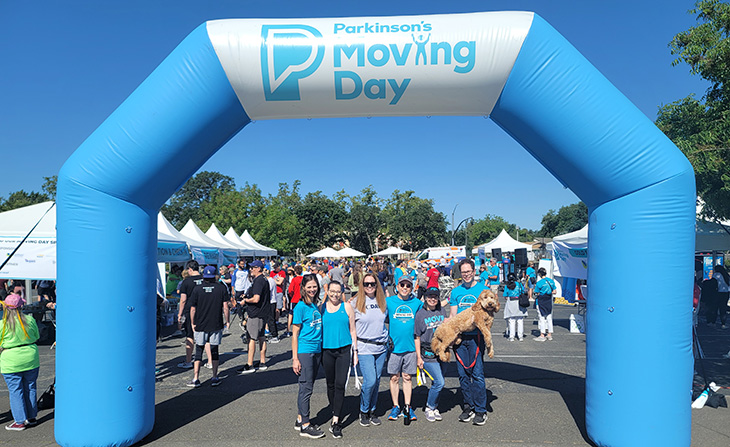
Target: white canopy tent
570	254
391	251
233	237
36	257
328	252
348	252
225	255
217	236
262	250
504	242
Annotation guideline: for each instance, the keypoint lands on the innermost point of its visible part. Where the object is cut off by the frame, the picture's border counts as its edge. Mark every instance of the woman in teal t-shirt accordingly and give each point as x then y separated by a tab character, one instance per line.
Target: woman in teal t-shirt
306	348
544	289
339	338
19	362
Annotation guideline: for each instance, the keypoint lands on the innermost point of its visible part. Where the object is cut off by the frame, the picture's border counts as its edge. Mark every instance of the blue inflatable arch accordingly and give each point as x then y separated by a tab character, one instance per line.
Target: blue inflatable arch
513	66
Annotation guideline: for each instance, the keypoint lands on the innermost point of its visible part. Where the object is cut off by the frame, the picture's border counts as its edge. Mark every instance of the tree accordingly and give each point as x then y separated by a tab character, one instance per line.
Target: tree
49	186
322	221
701	128
413	221
568	218
366	221
19	199
242	210
187	202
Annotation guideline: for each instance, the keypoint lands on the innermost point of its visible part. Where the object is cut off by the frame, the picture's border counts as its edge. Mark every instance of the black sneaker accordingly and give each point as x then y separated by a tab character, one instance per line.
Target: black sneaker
311	431
406	415
364	419
480	419
336	431
466	415
246	369
297	425
374	419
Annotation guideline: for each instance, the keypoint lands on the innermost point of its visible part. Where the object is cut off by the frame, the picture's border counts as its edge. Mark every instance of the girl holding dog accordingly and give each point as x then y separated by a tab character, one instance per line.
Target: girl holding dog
428	318
372	341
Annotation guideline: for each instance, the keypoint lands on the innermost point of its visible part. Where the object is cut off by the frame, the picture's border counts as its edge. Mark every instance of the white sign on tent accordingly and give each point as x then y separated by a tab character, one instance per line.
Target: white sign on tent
570	254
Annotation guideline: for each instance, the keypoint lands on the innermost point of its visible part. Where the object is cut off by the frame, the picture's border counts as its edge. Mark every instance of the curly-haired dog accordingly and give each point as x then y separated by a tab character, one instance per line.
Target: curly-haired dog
480	315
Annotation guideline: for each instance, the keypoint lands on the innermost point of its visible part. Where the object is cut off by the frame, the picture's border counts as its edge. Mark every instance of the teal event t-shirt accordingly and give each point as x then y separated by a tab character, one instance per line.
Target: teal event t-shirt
402	318
310	335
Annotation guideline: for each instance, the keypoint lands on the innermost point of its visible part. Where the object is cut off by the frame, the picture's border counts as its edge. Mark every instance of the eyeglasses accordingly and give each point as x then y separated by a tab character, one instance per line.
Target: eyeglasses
368	284
467	272
406	284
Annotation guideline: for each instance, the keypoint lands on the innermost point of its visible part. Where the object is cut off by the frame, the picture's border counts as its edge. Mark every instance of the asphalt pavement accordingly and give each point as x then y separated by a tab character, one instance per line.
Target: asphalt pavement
536	393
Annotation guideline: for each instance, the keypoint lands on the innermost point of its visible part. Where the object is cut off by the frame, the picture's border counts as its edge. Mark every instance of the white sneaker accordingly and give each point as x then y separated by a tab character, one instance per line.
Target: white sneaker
185	365
437	415
208	365
550	337
540	338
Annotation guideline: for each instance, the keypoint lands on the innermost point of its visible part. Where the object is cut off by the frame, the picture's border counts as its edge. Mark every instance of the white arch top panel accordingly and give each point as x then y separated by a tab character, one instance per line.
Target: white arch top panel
363	66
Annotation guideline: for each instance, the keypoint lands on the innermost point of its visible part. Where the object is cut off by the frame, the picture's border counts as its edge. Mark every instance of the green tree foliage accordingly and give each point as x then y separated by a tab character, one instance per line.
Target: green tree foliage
19	199
49	186
366	220
568	218
242	210
701	128
413	221
278	226
322	221
187	202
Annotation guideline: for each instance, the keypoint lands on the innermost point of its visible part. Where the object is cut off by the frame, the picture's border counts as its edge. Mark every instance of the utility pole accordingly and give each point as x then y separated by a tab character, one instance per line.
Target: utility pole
452	225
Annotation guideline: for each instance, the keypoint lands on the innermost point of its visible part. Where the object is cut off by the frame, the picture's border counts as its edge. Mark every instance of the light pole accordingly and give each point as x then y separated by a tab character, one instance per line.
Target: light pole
452	225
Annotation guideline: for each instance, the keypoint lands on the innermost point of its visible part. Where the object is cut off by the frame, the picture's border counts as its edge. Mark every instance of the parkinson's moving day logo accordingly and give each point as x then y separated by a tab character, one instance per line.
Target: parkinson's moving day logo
291	53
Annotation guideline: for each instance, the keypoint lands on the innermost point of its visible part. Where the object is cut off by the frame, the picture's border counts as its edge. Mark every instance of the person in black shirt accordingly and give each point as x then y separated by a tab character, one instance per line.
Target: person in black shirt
183	315
208	305
258	303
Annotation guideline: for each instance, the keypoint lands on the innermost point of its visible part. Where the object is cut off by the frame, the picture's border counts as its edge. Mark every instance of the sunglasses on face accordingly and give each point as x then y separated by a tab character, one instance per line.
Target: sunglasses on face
368	284
406	284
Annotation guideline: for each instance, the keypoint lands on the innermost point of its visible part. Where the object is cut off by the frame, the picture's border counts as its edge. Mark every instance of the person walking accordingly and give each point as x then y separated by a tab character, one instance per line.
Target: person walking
19	362
471	372
339	340
372	338
723	286
208	306
402	310
306	348
544	289
428	319
513	313
193	280
258	301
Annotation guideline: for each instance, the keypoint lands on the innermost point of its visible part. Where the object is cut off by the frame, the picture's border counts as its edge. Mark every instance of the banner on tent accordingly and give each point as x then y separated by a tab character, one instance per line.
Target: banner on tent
36	258
570	261
172	252
205	256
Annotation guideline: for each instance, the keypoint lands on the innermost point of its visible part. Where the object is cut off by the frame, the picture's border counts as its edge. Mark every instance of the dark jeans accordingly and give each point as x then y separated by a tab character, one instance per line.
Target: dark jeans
336	364
271	322
471	378
717	304
310	368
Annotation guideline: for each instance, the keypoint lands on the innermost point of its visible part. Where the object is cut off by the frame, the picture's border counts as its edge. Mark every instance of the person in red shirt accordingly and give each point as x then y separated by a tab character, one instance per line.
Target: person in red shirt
433	276
294	295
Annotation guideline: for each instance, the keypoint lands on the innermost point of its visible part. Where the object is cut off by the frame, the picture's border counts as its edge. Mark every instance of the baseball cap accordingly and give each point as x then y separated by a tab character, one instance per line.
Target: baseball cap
209	272
14	301
257	263
433	291
405	278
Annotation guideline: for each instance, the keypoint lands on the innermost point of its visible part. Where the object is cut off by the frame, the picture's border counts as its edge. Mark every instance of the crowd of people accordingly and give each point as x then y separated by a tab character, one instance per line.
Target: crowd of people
372	316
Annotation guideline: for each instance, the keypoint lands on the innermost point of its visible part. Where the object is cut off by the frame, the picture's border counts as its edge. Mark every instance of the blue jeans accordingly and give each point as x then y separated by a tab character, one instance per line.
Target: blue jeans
471	379
371	368
437	373
23	400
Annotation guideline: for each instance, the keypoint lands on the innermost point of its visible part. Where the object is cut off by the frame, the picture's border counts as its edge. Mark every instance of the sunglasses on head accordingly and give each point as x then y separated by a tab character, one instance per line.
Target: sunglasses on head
369	284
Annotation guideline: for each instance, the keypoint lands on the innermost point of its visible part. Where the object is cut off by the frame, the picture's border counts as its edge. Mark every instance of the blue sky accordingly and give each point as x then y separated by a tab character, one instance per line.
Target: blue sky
67	65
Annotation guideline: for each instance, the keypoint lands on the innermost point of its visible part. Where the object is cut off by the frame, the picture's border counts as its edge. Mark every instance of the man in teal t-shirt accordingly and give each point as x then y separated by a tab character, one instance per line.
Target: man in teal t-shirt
402	310
494	276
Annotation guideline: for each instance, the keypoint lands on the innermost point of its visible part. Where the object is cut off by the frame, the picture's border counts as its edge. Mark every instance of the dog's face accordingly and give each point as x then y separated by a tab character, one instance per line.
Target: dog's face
488	301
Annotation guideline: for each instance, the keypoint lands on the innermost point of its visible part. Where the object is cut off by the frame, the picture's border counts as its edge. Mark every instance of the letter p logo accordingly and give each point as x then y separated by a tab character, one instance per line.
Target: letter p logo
288	53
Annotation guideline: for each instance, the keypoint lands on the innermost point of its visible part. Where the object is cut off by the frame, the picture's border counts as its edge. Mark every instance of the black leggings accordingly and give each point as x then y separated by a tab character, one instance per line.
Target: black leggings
336	364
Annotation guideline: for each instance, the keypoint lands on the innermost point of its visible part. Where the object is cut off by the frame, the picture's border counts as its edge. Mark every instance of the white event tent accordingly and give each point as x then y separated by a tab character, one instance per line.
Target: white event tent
348	252
217	236
36	257
391	251
214	254
570	254
504	242
261	250
233	237
328	252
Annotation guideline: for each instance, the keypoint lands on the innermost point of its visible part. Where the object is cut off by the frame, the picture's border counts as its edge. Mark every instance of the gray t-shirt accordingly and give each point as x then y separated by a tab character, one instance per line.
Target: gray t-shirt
426	323
337	274
371	326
